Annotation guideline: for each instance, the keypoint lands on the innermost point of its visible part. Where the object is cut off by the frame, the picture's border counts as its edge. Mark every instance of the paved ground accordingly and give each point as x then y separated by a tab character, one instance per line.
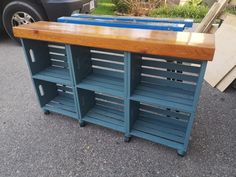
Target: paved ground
35	145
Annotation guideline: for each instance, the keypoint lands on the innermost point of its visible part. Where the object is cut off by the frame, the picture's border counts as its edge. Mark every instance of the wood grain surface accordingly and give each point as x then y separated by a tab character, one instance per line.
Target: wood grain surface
197	46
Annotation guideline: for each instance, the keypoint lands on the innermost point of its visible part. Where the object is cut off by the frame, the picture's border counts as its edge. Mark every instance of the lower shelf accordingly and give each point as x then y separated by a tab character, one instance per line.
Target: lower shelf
106	118
103	110
165	96
62	104
160	125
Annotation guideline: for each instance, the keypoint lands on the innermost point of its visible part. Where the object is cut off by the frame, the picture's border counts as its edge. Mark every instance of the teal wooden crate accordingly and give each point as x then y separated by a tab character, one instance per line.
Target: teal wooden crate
56	98
99	70
48	61
102	109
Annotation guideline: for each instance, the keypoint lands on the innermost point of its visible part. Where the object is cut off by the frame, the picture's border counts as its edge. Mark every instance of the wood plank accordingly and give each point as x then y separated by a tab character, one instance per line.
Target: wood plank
176	44
156	139
212	14
227	80
173	66
225	58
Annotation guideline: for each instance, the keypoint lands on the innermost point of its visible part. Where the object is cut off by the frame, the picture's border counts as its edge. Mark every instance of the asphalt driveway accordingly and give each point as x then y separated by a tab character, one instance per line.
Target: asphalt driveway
35	145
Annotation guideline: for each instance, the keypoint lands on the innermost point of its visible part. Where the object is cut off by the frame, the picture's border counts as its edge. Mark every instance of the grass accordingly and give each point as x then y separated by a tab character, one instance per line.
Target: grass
104	7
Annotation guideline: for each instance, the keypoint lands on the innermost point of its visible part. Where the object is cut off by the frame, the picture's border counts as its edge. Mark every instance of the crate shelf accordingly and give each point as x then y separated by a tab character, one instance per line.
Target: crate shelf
63	104
48	61
101	109
164	81
162	125
165	96
99	70
56	98
104	83
54	74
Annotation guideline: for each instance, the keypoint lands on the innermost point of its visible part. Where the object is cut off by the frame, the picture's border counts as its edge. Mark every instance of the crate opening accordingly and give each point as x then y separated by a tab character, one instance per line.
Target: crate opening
56	97
164	79
102	109
159	124
100	70
48	61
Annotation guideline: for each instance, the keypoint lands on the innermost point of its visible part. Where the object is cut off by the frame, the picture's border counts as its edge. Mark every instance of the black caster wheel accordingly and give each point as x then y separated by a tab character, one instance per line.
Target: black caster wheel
127	139
46	112
181	153
82	124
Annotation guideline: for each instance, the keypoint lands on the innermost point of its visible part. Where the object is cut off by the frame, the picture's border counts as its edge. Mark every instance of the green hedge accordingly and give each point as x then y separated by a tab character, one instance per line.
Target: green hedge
184	11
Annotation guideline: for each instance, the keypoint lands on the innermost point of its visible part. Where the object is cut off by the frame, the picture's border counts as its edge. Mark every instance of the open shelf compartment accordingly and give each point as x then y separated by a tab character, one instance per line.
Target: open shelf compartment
48	61
160	125
102	109
165	81
99	70
56	98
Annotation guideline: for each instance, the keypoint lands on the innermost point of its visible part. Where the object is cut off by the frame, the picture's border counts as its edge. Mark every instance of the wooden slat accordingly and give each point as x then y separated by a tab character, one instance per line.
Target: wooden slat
109	98
107	57
57	50
58	57
169	83
171	65
58	63
64	88
172	113
156	131
156	139
172	75
212	14
107	65
176	44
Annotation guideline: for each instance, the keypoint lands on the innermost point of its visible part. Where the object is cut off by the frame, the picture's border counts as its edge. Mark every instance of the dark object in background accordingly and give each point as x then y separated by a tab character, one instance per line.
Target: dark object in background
18	12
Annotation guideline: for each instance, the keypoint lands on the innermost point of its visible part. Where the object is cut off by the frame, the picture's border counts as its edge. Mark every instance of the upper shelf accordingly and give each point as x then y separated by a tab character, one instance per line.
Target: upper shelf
197	46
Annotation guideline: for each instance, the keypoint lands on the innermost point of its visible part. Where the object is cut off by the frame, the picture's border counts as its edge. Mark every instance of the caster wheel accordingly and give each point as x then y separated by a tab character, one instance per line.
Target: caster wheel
127	139
82	124
181	153
46	112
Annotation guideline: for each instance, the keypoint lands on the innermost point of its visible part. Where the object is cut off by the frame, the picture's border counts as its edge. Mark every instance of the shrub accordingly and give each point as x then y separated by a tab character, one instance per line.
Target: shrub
136	7
184	11
231	10
121	6
195	2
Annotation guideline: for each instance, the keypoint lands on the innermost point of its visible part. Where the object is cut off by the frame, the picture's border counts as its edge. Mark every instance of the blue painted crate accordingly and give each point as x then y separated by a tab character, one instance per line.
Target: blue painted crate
164	81
56	98
48	61
102	109
52	77
159	124
99	70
